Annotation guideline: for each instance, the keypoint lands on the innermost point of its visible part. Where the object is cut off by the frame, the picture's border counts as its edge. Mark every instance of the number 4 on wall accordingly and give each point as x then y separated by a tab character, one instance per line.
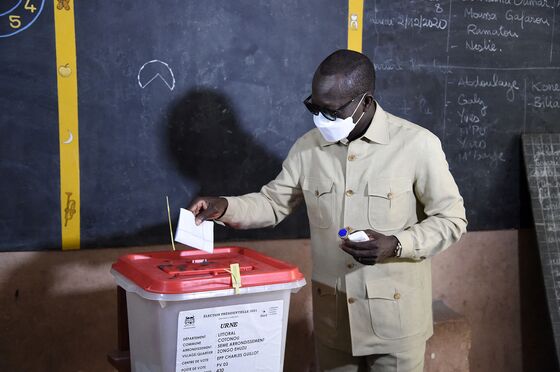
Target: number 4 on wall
29	7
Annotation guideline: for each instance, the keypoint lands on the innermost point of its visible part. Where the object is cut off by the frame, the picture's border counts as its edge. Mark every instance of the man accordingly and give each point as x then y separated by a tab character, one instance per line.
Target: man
362	169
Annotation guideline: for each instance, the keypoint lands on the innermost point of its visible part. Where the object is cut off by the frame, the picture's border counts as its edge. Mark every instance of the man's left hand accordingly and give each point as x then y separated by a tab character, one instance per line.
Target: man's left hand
379	248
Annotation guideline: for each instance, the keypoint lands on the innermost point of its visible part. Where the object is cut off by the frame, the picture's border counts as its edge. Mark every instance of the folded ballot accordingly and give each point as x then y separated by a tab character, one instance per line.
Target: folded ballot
188	233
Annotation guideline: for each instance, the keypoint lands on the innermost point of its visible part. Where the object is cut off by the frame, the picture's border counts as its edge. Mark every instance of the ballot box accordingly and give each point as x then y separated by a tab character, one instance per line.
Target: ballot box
194	311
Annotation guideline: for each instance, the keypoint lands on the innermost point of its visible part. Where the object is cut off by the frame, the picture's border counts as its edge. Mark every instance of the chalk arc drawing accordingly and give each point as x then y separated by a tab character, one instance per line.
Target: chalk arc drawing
143	81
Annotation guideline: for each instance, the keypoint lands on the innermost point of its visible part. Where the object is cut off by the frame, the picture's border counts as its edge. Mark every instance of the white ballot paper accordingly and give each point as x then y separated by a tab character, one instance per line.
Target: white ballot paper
200	237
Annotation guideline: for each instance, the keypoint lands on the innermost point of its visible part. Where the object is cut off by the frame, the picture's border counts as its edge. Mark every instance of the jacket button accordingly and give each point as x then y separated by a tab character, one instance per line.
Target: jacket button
397	295
352	157
349	193
351	300
350	265
316	192
390	196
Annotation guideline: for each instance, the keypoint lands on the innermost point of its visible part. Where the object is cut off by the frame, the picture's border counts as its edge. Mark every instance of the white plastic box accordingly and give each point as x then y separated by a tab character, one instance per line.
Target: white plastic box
184	315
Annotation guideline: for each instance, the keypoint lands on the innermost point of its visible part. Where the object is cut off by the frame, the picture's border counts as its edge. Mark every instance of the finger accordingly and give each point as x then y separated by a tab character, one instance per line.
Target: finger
206	214
197	206
357	253
360	245
350	251
373	234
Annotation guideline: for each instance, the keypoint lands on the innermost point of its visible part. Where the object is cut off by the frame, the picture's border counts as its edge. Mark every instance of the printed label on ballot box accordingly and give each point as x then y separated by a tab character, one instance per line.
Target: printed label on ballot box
245	337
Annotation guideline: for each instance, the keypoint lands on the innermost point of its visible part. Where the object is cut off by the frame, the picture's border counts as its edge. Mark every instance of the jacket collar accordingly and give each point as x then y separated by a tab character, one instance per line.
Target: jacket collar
377	131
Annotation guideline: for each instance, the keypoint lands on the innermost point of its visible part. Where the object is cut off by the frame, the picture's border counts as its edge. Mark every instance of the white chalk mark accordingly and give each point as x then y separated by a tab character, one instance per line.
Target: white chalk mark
448	26
169	80
552	33
458	67
447	71
70	138
445	106
525	105
375	26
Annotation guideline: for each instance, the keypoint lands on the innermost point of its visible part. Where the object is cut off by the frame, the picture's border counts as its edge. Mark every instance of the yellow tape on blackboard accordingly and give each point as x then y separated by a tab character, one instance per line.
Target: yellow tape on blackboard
67	82
355	24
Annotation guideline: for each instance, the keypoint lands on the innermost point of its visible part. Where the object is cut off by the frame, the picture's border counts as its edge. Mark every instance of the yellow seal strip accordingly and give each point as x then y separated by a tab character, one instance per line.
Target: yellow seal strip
67	80
235	273
355	24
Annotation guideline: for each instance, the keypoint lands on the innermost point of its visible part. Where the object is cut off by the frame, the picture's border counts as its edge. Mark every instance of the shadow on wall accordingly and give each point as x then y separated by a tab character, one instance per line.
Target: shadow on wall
207	145
51	323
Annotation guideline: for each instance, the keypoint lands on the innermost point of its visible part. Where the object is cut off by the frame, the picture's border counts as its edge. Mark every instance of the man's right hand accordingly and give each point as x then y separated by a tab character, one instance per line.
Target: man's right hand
208	208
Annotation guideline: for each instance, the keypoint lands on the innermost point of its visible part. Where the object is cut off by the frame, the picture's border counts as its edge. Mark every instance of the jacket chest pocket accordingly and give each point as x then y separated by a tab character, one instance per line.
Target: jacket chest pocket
389	203
396	310
319	198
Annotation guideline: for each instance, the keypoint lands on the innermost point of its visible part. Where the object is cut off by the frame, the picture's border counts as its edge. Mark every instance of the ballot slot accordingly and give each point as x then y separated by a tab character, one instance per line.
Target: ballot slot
189	268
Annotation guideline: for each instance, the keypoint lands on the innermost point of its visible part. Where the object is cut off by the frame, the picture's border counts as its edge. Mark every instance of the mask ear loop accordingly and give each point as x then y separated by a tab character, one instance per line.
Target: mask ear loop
359	118
359	103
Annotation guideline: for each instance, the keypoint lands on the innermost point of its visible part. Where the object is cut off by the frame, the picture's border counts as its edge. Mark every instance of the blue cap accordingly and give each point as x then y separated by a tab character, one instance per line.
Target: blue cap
342	233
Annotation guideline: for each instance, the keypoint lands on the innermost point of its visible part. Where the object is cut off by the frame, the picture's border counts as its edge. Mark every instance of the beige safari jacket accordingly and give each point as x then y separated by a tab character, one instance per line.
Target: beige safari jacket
395	180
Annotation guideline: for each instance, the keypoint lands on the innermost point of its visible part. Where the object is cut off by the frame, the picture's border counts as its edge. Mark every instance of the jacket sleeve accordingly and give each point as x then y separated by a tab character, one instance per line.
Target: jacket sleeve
273	203
437	191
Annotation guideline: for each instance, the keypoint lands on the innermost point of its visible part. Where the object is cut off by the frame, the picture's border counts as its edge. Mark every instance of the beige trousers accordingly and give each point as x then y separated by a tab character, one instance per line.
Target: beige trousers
332	360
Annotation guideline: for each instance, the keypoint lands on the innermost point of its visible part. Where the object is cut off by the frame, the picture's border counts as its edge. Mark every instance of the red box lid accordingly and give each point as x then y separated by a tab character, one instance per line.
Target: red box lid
189	271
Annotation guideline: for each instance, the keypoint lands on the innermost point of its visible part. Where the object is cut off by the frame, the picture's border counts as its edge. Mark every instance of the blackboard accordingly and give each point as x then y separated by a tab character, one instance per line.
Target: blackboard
217	120
226	105
542	163
478	74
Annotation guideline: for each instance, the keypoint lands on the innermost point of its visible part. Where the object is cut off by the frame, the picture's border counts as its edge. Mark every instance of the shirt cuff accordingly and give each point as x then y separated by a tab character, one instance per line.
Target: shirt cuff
229	215
407	243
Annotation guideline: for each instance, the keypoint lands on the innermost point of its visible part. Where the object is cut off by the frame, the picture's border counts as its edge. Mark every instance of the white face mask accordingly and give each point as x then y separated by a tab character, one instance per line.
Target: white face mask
334	131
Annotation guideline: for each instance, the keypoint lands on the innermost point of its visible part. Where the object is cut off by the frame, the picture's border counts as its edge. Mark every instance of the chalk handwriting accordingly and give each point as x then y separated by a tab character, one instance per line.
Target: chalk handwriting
493	157
545	102
522	18
511	86
486	45
474	99
529	3
501	31
486	16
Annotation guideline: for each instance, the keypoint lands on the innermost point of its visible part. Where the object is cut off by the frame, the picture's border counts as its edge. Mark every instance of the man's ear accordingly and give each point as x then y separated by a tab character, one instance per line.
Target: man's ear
368	101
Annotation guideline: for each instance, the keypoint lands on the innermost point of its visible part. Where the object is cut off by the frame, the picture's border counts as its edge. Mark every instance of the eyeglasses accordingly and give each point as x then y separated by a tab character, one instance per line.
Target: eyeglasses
329	114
